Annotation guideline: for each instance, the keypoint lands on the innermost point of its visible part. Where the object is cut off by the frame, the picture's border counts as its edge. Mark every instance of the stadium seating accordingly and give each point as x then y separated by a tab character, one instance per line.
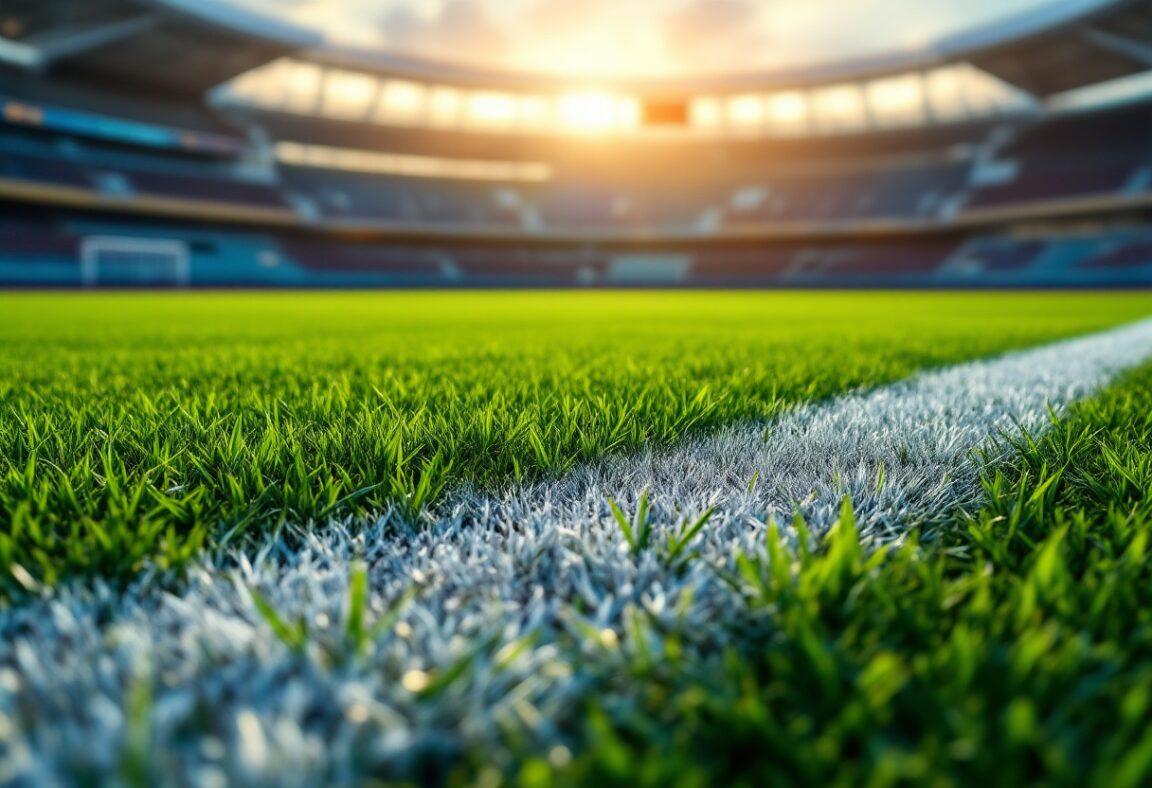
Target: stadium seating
733	192
902	259
797	188
1002	256
744	264
318	256
96	97
499	267
349	195
1045	179
1125	255
80	167
32	244
1063	157
218	190
38	169
905	192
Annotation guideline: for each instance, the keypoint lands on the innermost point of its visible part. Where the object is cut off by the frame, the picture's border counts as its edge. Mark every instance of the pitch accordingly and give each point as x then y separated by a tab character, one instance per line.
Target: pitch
541	537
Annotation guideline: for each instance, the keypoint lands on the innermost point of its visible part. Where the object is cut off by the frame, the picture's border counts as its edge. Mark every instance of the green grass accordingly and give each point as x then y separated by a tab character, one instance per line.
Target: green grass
1015	649
1017	652
137	429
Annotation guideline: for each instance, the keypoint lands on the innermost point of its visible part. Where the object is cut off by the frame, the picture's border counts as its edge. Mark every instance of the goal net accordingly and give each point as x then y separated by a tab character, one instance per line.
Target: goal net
110	261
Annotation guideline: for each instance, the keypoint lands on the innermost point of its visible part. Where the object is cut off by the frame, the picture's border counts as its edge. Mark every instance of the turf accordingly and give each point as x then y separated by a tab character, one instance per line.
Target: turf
1013	648
135	430
1018	651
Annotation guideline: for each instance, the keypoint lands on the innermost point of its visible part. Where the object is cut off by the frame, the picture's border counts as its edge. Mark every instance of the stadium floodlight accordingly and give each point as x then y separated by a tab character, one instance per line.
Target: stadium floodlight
747	111
400	100
897	100
590	111
707	112
535	114
488	109
788	112
446	106
349	94
840	107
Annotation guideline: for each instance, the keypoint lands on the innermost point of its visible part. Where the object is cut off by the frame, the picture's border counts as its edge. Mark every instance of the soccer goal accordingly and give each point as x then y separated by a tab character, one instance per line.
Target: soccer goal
112	261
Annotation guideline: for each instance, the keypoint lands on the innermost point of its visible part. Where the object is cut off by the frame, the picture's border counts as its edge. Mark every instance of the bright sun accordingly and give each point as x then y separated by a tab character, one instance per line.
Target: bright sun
591	111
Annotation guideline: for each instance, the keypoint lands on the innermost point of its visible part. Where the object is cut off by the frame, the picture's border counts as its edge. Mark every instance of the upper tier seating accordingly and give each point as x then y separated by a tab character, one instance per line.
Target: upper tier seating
43	170
1058	158
1078	155
366	196
904	192
1130	254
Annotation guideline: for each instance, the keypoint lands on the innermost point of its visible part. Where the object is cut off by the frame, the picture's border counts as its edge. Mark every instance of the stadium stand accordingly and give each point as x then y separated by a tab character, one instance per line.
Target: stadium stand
1075	156
903	191
1125	255
1000	255
368	196
887	260
989	178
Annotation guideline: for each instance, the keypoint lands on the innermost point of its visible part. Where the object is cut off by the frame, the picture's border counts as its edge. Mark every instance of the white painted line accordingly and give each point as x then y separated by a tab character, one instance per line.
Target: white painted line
902	453
230	701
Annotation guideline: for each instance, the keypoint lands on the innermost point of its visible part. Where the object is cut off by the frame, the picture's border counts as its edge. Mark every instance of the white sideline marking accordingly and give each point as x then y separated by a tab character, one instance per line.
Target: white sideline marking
232	703
902	453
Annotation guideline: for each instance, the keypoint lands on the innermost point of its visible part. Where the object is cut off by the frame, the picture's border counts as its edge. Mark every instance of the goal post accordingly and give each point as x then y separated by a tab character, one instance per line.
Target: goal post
125	261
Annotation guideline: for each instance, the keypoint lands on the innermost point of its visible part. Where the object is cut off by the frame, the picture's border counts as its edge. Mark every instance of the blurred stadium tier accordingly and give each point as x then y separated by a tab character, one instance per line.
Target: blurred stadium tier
164	143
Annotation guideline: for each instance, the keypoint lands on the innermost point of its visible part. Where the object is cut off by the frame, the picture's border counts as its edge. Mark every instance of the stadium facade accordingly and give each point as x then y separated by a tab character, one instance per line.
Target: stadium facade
176	142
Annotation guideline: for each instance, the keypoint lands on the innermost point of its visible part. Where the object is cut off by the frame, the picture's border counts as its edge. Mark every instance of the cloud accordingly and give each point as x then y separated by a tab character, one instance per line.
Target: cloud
706	33
459	30
640	36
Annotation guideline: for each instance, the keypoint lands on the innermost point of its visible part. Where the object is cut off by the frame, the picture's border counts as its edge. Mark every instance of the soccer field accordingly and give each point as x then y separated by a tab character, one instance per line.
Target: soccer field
566	537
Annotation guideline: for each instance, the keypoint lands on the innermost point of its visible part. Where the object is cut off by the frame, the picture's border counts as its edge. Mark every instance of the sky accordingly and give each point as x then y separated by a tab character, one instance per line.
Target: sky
640	37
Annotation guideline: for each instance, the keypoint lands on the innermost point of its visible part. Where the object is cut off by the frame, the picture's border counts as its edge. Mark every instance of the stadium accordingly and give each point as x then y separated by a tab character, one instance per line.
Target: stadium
371	415
258	157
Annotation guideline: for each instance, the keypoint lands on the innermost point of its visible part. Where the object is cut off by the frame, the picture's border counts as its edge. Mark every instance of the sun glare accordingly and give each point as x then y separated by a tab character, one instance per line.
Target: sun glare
592	112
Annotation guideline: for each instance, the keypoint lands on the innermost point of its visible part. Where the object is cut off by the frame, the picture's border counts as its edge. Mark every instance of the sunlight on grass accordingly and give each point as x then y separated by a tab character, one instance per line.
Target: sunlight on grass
139	428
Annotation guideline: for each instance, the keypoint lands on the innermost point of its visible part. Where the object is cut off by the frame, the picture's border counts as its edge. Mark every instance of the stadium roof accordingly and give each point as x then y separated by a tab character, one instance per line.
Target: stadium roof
187	46
192	45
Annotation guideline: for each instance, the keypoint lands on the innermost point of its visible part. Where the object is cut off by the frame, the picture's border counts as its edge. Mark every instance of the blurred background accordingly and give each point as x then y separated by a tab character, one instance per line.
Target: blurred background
541	143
